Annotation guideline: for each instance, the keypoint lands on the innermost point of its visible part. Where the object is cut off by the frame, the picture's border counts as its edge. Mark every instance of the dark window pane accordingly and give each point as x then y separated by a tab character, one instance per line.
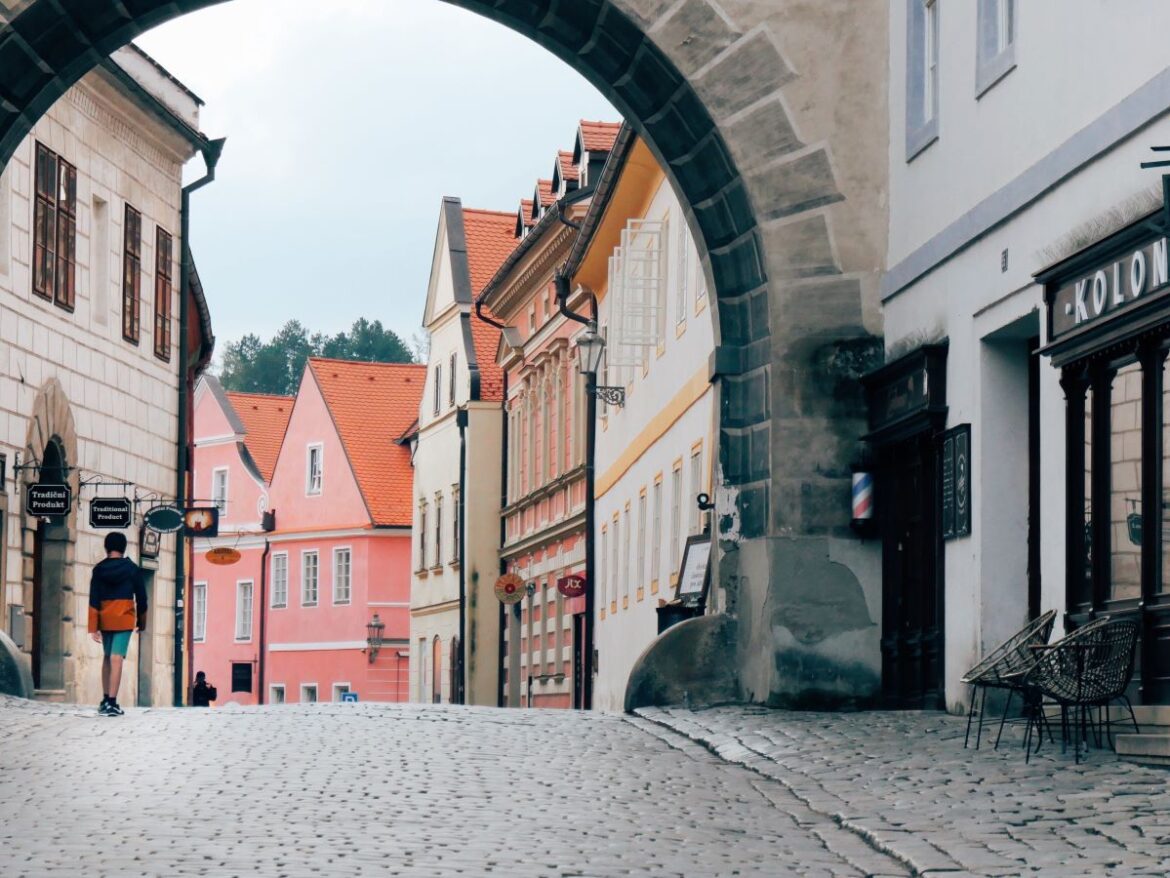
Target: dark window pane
1125	456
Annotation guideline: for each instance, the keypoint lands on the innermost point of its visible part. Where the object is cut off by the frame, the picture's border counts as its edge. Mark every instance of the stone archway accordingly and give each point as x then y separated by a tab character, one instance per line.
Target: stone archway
770	119
48	546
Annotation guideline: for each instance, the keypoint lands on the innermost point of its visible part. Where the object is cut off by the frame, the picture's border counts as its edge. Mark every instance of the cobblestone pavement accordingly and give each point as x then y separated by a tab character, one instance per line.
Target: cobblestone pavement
340	789
903	782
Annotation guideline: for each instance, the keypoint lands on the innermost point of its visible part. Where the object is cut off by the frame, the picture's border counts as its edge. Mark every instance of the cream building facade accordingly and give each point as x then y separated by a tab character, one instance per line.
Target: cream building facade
457	455
89	371
653	454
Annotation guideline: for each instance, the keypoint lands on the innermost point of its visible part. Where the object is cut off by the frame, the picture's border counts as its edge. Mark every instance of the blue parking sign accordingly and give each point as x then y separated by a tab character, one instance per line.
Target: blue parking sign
349	697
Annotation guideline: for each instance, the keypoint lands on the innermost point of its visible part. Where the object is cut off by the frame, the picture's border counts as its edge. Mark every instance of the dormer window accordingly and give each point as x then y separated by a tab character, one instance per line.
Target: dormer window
314	469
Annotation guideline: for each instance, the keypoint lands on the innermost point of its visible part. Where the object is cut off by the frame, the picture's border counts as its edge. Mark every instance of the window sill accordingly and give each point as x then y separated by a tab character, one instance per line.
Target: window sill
244	640
437	569
422	573
454	565
919	139
342	603
306	606
654	587
279	607
680	329
641	593
992	71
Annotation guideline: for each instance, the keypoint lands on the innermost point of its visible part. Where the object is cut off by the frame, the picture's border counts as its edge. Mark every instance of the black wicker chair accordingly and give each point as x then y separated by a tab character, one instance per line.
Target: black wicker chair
1091	668
1005	668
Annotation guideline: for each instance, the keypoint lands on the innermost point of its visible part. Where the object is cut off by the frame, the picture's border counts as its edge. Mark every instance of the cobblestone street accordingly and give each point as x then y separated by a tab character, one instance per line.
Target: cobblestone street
419	790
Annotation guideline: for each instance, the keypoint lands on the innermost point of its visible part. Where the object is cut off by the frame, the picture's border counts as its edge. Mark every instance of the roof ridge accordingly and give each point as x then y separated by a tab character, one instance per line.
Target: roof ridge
258	395
485	210
363	362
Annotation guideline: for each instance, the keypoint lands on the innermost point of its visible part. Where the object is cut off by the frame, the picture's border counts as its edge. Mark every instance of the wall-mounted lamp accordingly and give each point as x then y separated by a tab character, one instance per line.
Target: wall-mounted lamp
375	628
590	350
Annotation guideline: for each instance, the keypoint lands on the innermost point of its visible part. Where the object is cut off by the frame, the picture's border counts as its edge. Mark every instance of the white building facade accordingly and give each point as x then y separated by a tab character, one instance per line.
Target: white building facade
89	367
653	454
1017	130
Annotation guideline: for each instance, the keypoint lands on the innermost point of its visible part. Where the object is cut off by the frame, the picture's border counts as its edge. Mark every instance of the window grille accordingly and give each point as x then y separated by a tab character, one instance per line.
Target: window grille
637	318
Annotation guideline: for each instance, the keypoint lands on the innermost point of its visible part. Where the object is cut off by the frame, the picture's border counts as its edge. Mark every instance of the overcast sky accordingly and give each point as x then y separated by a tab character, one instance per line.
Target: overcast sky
345	129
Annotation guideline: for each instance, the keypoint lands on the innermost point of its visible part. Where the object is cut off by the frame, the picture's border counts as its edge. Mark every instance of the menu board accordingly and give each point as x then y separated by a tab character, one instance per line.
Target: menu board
955	482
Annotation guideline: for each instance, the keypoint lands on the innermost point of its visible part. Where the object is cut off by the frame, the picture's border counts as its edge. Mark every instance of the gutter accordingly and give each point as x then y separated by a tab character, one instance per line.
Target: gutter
461	419
211	153
503	568
263	618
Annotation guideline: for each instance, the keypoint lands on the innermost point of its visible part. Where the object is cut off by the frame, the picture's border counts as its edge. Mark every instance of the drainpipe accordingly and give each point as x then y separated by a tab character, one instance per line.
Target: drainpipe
211	154
562	285
263	619
461	417
502	613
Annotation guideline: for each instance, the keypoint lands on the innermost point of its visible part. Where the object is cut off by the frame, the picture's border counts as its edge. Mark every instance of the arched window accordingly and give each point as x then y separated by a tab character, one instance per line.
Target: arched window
436	670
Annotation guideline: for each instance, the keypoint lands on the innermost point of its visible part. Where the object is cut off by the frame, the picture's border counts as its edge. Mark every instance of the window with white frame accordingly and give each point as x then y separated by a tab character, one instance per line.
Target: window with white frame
243	610
314	468
996	55
626	553
438	394
640	575
308	693
309	571
199	612
276	693
603	568
451	380
342	573
280	580
422	535
219	490
438	530
682	261
656	532
696	523
675	534
340	689
922	75
455	503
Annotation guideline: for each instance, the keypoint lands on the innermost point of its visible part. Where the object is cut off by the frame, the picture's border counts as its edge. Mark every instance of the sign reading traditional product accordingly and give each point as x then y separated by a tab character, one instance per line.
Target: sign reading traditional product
510	589
1102	290
111	512
164	519
572	586
956	482
222	556
44	501
693	573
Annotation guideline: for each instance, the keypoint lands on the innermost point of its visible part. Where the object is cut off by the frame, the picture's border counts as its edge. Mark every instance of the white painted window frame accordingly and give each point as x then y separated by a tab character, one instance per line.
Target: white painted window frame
314	487
305	553
337	550
272	575
995	53
199	613
273	688
240	609
335	694
922	75
316	693
218	500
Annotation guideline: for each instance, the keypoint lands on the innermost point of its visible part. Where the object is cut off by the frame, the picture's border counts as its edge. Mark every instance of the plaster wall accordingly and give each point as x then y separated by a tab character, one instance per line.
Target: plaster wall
120	402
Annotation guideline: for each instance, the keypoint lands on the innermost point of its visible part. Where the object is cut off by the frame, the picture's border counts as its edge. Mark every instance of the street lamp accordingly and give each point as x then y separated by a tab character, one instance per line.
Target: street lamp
590	350
374	630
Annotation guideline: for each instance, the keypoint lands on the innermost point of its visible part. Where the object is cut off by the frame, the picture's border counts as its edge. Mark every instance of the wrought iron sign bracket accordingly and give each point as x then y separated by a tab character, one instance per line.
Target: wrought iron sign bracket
611	395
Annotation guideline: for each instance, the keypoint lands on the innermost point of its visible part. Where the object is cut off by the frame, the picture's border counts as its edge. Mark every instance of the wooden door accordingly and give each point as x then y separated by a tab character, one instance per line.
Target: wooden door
912	634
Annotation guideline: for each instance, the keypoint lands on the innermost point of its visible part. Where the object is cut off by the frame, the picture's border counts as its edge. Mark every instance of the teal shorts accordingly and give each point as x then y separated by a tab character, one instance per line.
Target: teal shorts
116	642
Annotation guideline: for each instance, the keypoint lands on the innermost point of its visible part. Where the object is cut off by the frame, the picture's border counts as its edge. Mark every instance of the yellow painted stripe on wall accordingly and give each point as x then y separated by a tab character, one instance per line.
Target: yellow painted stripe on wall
691	393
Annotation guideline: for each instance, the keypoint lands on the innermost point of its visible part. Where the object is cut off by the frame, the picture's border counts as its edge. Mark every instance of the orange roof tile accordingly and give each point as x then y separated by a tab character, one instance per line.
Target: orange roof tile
265	418
569	169
599	136
491	238
526	212
545	191
373	404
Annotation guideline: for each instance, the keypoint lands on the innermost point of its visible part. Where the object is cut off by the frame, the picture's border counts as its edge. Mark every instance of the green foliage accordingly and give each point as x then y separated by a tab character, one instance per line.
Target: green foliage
251	365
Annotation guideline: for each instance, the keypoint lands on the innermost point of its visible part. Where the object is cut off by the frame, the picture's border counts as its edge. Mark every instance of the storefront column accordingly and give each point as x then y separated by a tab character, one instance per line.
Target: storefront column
1078	599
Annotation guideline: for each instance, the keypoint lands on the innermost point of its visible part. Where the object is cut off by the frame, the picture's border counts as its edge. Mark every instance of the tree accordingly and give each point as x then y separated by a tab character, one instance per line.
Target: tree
251	365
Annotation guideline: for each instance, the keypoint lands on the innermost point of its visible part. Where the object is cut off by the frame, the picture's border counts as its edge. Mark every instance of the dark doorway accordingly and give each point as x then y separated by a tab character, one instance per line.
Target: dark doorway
50	544
912	598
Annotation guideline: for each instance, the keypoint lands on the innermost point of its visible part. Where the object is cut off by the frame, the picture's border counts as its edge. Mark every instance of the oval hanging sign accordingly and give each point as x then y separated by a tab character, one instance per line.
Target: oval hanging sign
164	519
223	555
571	586
510	589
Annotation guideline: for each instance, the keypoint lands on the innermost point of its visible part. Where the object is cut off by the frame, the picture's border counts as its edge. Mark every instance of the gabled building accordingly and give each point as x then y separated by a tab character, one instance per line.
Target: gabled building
457	453
544	503
291	621
237	440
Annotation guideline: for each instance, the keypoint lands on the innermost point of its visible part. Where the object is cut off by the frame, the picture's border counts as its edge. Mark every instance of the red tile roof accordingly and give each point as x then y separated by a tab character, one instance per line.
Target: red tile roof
526	212
491	237
372	405
545	191
599	136
569	169
265	418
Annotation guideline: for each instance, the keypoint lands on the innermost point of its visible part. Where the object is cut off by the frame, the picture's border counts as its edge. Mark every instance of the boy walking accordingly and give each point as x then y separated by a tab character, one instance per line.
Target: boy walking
117	605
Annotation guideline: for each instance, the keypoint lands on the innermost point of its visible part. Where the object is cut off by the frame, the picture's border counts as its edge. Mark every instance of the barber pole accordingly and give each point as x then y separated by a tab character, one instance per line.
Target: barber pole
862	496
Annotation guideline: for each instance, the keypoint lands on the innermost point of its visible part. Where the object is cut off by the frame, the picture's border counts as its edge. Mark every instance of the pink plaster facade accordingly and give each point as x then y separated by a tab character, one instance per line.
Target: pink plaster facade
307	635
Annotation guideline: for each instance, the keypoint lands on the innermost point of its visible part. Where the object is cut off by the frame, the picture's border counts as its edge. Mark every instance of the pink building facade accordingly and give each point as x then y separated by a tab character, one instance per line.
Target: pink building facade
324	536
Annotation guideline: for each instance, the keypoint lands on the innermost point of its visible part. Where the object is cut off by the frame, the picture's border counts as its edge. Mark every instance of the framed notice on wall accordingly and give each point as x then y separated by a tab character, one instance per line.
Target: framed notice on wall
955	482
695	572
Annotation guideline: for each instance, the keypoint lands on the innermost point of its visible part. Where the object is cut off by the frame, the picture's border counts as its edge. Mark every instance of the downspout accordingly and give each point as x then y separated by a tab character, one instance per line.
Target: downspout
263	619
502	613
461	418
211	154
562	285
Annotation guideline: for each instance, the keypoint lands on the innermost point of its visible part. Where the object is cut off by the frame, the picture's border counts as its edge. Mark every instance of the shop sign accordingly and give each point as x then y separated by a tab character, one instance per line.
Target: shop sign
46	501
115	513
694	570
223	556
510	589
1103	290
164	519
201	521
572	586
956	482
